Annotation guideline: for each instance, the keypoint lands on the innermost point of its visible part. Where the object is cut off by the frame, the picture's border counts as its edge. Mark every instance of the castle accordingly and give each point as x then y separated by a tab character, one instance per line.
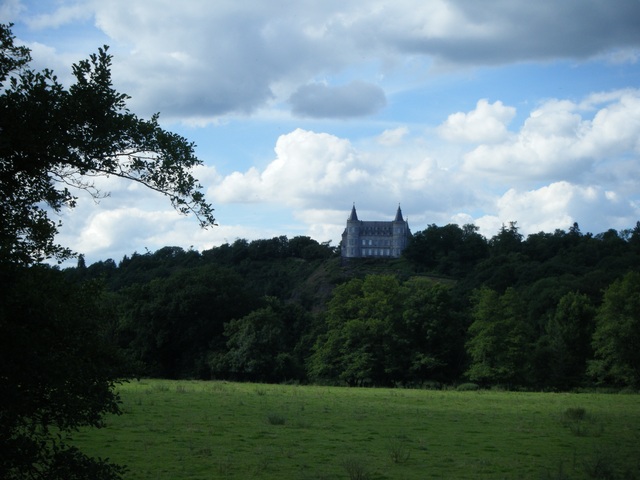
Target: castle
374	239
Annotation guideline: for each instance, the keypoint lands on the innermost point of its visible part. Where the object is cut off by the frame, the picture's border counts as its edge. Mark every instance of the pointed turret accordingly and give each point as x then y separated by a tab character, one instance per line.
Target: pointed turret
398	215
354	216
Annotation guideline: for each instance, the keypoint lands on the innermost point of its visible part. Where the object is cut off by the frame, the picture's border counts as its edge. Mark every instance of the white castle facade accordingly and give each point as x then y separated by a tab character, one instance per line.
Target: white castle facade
374	239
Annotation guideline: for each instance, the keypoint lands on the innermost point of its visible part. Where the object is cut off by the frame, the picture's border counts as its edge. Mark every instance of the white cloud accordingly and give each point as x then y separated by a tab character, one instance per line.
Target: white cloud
486	124
615	127
323	225
309	167
107	227
560	204
393	137
559	142
318	170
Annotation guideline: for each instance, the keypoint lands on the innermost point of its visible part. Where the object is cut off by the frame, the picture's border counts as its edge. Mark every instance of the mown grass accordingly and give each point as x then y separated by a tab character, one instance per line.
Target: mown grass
209	430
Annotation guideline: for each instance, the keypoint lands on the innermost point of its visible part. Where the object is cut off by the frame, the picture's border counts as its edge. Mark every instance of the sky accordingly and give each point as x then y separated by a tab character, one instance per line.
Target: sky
459	111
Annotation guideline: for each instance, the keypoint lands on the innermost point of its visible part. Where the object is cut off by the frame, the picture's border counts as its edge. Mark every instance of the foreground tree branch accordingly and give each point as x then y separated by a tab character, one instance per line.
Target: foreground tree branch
52	138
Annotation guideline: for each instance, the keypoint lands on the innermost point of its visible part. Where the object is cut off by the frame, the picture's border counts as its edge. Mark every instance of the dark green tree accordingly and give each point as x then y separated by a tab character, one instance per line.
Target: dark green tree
568	341
359	341
56	373
499	342
507	240
433	335
617	334
261	345
58	369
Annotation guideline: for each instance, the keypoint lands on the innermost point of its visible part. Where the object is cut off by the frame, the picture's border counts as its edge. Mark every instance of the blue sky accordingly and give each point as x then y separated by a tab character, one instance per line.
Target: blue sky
461	111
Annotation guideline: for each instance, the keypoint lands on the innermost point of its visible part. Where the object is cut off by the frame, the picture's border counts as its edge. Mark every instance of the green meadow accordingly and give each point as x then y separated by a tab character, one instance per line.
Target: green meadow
208	430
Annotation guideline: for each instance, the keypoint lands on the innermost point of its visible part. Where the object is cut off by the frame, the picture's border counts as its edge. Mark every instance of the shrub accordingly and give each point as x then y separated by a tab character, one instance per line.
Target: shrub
601	466
276	419
467	387
356	468
575	414
580	423
398	450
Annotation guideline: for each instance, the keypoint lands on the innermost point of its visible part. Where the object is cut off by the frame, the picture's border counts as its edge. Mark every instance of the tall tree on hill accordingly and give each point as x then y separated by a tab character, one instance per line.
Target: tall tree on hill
617	334
449	250
507	240
53	141
499	342
568	341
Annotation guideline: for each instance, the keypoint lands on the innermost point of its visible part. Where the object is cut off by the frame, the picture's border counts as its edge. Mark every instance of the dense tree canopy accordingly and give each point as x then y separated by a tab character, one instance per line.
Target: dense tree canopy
451	250
381	331
171	324
521	312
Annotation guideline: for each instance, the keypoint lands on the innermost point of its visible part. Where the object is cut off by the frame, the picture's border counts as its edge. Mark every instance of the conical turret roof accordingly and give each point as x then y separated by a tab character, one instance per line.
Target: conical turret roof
354	216
398	215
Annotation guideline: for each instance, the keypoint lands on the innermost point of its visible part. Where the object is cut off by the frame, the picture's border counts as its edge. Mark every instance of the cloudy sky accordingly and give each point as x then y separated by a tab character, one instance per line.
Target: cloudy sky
461	111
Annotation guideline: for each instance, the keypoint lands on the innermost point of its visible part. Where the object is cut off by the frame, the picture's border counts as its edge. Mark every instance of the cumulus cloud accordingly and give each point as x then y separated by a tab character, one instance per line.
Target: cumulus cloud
309	167
560	204
323	101
486	124
114	230
561	141
322	173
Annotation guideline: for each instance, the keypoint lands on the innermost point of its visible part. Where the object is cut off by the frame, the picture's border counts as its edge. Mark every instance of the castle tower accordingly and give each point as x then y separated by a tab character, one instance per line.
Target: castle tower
400	233
351	235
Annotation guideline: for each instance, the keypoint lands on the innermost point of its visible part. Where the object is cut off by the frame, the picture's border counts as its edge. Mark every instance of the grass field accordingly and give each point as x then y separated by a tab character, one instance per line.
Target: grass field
208	430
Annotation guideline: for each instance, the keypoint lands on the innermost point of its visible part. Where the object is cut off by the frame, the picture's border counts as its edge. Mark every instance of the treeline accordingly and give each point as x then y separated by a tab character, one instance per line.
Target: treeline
554	310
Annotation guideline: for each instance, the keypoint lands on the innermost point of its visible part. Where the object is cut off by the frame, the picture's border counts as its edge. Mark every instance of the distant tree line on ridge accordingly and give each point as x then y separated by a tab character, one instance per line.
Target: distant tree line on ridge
550	311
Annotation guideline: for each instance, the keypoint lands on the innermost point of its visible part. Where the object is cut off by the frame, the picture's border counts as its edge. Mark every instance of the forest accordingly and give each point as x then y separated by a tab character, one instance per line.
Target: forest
552	311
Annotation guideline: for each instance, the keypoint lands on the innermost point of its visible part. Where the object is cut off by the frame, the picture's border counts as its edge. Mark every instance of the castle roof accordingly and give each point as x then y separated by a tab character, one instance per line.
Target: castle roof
398	215
353	217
